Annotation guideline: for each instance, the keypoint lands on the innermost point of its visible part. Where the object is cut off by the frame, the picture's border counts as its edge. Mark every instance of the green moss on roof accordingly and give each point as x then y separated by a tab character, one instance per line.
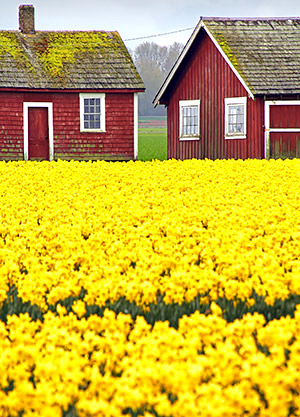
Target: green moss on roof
230	55
9	45
265	52
56	49
87	60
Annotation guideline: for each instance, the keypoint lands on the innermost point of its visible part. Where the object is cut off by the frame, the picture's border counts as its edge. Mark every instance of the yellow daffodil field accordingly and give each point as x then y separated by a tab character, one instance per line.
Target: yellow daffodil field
167	289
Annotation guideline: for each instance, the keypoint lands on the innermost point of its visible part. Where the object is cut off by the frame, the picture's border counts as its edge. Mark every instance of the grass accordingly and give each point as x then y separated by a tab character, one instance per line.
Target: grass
152	138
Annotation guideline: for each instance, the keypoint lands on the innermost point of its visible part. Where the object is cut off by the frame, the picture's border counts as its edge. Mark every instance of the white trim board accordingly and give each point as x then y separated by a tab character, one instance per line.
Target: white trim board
238	101
101	96
177	64
236	73
26	106
199	26
268	130
136	121
188	103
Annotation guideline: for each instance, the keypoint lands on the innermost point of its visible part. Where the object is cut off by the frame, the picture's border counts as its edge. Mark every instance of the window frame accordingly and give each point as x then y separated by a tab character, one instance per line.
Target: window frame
188	103
231	102
82	96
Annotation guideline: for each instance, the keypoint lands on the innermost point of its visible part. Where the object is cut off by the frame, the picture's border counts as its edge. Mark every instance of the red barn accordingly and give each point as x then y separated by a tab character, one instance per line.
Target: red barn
234	91
66	95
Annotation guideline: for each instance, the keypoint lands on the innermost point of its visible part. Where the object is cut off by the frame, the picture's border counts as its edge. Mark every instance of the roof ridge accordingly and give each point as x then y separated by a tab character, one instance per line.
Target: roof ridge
249	18
264	61
66	59
59	31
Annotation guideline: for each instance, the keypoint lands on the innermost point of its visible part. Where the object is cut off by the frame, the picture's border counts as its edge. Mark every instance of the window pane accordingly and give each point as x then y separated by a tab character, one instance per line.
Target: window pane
240	118
190	120
235	118
92	113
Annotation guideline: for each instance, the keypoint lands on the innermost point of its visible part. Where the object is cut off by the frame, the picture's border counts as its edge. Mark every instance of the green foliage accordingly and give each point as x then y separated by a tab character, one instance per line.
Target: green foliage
158	311
15	305
70	412
140	412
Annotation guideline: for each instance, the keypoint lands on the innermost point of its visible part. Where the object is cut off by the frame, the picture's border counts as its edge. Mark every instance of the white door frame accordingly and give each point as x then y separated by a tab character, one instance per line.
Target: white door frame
136	125
49	106
268	130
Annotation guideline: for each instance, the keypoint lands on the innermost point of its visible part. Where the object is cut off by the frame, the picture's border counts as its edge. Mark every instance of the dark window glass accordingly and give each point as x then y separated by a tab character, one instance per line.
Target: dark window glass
92	113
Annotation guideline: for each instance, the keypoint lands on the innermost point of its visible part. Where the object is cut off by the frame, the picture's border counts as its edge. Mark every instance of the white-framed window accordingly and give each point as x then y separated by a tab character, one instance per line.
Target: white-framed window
189	125
92	112
236	118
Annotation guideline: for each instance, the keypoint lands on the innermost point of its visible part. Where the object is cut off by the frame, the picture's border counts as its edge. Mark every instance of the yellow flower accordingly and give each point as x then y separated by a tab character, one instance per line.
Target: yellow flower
156	238
79	308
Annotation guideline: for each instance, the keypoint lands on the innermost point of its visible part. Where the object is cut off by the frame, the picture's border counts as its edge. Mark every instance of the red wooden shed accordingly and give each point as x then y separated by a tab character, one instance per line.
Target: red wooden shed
66	95
234	91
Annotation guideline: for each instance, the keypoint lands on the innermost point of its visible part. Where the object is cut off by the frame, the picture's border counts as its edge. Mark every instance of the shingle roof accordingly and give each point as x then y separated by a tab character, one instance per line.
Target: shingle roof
69	60
265	52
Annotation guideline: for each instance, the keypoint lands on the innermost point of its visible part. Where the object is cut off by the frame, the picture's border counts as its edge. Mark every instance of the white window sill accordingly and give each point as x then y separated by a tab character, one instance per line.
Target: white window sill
236	137
92	130
189	138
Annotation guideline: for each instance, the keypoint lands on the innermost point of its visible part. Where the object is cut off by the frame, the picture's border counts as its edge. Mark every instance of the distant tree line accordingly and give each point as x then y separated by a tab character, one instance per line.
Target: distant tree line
154	63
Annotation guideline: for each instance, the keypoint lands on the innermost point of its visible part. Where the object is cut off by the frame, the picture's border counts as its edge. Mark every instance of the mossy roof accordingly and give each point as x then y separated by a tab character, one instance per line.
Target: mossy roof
66	60
265	52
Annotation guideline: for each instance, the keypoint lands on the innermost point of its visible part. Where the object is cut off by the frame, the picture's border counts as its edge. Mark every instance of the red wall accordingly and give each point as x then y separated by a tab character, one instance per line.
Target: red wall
205	75
11	126
69	143
283	116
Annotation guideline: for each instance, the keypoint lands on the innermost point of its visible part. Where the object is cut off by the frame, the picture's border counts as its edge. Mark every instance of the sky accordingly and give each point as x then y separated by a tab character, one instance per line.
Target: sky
140	18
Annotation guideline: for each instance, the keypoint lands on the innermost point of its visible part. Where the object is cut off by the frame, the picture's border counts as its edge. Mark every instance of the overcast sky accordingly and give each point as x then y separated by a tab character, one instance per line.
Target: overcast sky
140	18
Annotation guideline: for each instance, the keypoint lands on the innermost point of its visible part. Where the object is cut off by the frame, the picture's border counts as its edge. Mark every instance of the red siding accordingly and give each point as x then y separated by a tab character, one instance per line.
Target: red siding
283	116
285	144
69	143
11	127
205	75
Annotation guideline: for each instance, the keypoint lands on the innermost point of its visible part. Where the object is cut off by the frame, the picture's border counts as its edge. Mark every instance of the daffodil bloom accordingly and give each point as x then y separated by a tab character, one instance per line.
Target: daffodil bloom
79	241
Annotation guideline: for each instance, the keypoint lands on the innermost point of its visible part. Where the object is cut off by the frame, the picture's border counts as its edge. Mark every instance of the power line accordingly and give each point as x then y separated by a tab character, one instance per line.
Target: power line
160	34
96	44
